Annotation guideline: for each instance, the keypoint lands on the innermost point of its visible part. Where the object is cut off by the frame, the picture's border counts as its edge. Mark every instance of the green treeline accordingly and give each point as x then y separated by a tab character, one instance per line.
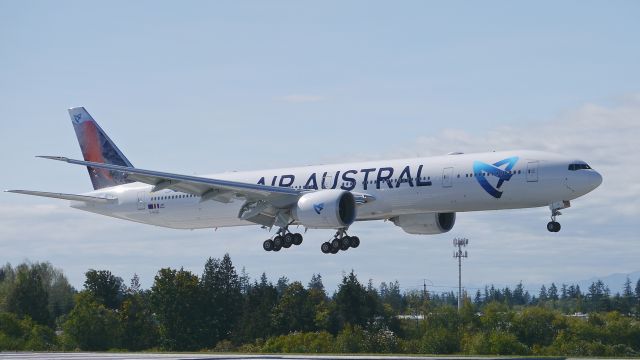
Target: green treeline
223	310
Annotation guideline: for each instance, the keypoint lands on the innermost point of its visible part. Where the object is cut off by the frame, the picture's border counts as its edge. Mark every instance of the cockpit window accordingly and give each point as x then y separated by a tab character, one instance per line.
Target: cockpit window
574	167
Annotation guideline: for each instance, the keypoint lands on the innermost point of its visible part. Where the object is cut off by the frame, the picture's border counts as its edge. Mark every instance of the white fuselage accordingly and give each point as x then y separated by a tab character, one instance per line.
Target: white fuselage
447	183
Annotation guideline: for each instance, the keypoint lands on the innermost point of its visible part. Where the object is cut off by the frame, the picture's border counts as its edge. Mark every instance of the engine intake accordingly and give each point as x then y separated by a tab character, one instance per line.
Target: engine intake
326	209
426	224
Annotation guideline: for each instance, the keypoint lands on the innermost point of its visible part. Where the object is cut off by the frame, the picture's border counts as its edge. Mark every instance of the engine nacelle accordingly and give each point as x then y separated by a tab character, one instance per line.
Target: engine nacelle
325	209
426	224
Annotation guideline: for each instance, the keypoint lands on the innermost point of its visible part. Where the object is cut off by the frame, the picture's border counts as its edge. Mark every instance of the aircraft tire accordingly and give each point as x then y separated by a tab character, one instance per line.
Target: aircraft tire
277	241
345	242
297	239
287	240
267	245
277	248
335	244
355	242
334	251
553	226
325	247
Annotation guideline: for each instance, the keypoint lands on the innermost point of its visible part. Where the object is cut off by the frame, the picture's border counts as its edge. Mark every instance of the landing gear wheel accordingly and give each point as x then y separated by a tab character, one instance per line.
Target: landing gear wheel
287	240
553	226
355	242
277	242
325	247
297	239
267	245
335	251
345	242
335	244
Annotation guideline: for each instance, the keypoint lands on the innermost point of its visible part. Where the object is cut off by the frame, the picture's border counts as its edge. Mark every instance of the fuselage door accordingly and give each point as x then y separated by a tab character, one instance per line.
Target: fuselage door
142	201
532	171
447	177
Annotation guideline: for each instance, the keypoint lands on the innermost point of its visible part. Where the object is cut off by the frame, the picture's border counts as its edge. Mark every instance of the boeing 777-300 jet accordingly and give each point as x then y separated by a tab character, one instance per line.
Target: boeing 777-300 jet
419	195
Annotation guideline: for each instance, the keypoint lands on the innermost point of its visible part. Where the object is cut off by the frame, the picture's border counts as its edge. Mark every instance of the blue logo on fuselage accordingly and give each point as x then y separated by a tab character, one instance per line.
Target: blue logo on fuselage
482	170
318	208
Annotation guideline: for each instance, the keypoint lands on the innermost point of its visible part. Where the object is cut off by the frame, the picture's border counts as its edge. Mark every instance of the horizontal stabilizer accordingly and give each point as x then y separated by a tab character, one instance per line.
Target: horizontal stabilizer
72	197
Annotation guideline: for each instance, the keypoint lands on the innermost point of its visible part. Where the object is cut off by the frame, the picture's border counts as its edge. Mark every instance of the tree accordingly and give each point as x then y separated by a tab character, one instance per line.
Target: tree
134	285
105	287
24	334
91	325
244	280
138	326
294	311
536	325
543	294
59	292
626	301
282	284
477	298
176	300
518	295
353	302
316	283
598	296
29	296
638	296
390	294
255	320
222	296
552	293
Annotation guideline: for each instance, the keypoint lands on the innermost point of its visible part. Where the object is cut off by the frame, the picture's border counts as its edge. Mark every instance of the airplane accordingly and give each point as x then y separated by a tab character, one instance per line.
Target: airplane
419	195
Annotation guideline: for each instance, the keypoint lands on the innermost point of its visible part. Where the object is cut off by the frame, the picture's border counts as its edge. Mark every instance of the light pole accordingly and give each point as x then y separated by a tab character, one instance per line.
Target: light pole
460	243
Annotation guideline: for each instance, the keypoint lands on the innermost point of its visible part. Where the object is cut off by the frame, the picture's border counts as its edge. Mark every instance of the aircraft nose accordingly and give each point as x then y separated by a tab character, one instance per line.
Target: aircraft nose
596	179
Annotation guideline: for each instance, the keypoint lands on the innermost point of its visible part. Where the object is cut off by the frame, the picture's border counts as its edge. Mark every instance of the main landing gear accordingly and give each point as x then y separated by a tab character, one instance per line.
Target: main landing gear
283	239
553	225
341	241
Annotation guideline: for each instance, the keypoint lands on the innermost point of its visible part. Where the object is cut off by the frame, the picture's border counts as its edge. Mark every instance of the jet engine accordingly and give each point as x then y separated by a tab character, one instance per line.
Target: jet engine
325	209
426	224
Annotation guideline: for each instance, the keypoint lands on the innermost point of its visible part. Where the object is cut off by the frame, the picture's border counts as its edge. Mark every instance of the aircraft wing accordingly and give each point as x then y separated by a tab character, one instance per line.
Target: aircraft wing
72	197
206	188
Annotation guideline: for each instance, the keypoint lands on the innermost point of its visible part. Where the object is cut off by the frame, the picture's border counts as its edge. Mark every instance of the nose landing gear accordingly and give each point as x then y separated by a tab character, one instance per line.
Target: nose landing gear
553	225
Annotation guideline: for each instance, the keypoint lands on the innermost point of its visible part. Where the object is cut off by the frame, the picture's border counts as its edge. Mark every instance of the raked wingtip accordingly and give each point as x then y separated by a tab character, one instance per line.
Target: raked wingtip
59	158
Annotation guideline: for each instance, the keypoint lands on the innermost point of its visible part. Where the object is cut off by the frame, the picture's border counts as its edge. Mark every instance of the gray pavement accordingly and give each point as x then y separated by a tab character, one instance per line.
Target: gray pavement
218	356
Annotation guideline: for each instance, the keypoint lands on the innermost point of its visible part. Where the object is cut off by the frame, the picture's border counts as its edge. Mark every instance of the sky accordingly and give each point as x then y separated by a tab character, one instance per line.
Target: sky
204	87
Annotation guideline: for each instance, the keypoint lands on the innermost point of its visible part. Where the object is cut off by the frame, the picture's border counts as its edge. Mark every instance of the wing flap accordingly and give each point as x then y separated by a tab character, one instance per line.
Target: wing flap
71	197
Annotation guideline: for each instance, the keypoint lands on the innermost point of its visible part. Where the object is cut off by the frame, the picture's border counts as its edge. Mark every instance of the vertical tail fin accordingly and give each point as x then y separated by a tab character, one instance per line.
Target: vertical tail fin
97	147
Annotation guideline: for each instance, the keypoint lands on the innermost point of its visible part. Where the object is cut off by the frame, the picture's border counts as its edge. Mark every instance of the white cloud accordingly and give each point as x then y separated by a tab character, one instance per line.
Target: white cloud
301	98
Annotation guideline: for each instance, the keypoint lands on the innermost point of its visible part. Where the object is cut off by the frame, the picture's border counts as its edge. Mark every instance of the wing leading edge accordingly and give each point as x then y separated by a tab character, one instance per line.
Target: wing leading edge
206	188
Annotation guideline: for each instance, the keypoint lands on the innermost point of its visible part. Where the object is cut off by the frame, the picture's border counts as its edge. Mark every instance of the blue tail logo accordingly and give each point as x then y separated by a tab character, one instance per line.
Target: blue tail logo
318	208
482	170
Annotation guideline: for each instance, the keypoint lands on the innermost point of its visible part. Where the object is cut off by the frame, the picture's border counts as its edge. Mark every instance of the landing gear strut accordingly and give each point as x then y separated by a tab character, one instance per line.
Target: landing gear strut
283	239
341	241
